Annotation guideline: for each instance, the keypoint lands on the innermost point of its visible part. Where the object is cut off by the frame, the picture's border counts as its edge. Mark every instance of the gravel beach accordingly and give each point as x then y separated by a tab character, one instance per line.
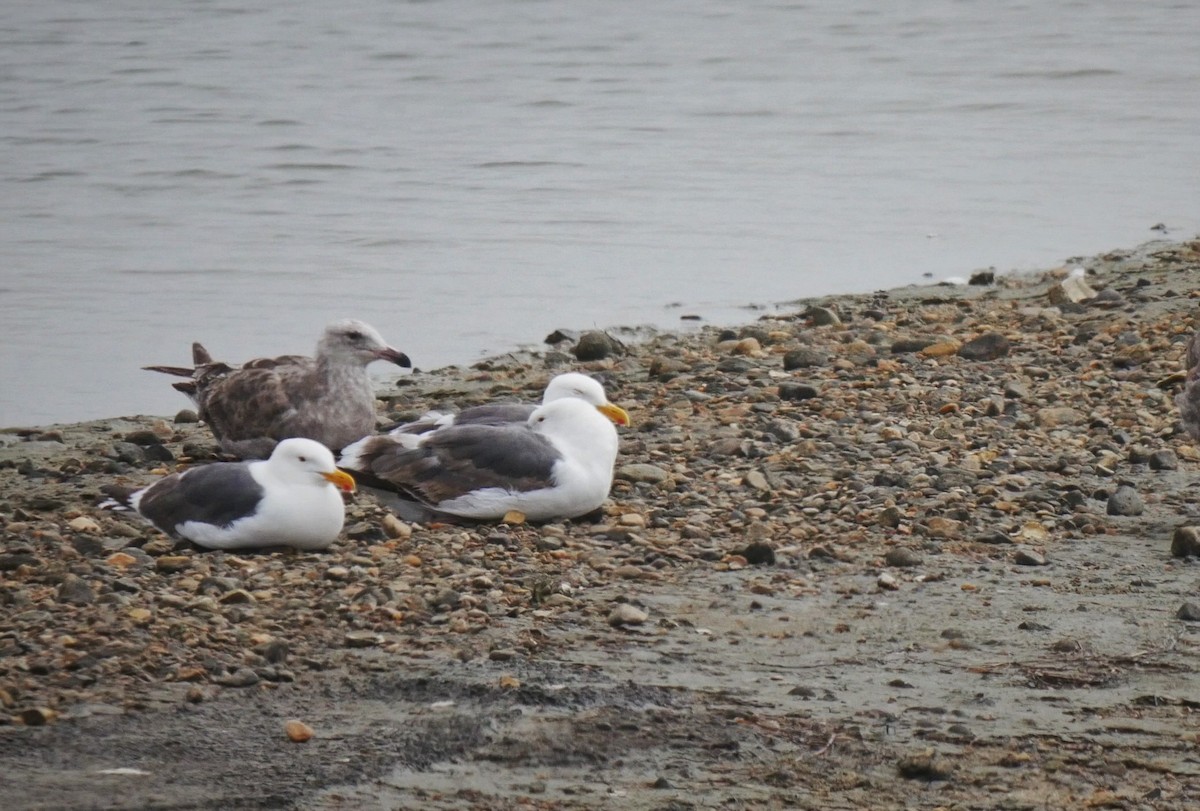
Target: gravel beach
926	548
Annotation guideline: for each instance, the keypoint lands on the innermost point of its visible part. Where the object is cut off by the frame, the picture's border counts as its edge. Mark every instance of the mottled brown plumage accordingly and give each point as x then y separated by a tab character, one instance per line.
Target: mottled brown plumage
328	397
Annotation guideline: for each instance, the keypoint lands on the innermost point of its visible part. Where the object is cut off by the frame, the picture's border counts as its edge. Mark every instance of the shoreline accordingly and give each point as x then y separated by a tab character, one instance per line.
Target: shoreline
901	549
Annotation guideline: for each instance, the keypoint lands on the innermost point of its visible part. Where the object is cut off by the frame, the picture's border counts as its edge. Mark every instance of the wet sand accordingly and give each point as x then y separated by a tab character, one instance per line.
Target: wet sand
844	565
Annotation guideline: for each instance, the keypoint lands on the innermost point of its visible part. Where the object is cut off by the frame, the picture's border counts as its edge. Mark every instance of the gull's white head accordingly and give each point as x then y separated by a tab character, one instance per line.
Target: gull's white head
579	386
306	461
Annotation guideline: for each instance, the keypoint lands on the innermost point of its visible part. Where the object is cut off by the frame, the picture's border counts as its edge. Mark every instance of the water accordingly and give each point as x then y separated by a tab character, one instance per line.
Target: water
469	175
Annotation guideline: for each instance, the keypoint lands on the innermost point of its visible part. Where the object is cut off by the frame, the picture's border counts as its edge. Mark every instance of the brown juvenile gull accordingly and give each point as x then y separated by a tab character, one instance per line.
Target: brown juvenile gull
571	384
557	464
291	499
328	398
1188	400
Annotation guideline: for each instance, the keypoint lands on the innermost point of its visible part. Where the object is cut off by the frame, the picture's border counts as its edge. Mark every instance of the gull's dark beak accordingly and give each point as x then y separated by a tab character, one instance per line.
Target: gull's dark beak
394	356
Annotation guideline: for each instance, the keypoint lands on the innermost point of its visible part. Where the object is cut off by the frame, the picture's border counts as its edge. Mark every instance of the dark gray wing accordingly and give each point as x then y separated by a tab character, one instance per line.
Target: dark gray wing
454	461
490	414
217	494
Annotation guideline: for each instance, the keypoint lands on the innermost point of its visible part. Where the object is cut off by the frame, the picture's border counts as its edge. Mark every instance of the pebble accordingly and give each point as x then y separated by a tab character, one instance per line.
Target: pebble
595	345
902	558
396	528
1164	460
242	677
989	346
1125	501
298	731
651	474
804	358
75	591
1059	416
1186	542
795	392
84	524
1189	612
887	582
626	614
172	563
1028	557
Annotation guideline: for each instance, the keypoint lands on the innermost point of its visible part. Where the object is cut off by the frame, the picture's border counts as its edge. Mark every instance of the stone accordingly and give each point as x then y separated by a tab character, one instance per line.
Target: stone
651	474
595	345
186	416
822	317
626	614
1165	459
756	480
1059	416
905	346
942	527
1189	612
758	554
396	528
1125	501
803	358
902	558
84	524
989	346
747	346
361	639
242	677
37	716
887	582
1028	557
795	392
297	731
172	563
925	766
73	590
1186	542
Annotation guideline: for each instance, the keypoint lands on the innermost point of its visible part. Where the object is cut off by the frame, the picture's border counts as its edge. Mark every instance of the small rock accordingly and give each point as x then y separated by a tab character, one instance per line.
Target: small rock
502	654
925	766
982	278
75	591
361	639
37	716
905	346
595	345
651	474
120	560
1058	416
902	558
172	563
185	416
942	527
890	517
803	358
795	392
747	346
1125	501
84	524
1189	612
626	614
1186	542
822	317
887	582
1028	557
395	528
758	554
989	346
242	677
1164	460
298	731
757	480
337	573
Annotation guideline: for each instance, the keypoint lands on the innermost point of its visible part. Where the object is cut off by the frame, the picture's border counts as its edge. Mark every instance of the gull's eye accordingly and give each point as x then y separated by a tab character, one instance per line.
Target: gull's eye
355	335
303	458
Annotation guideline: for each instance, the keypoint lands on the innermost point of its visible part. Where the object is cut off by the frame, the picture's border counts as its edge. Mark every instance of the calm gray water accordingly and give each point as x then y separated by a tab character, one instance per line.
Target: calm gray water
468	175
